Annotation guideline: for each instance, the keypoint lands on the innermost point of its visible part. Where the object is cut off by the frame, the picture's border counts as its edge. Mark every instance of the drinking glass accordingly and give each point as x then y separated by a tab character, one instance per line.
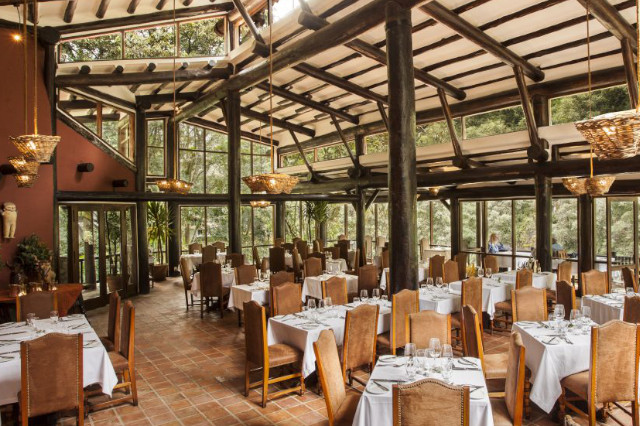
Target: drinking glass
488	272
575	316
31	318
447	351
480	272
630	291
53	315
384	298
411	368
328	303
435	346
364	295
375	294
439	282
446	370
558	312
356	301
321	305
410	350
423	288
311	304
586	319
421	357
429	282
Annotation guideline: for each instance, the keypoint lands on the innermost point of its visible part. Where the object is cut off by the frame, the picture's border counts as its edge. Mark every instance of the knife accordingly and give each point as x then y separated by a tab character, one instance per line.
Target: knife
386	389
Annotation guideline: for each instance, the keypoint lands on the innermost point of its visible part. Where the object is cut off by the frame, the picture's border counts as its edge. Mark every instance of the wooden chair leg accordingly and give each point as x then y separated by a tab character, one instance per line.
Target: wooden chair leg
186	299
302	385
562	407
634	413
201	307
247	372
239	317
134	387
265	386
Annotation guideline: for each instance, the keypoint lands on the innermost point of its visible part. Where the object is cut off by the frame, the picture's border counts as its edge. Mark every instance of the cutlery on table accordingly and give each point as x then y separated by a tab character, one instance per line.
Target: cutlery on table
391	380
16	332
386	389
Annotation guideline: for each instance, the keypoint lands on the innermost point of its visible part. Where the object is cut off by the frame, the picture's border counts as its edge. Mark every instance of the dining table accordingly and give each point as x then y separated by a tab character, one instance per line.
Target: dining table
423	273
376	403
312	286
539	280
493	291
97	367
302	329
443	301
67	294
257	291
605	307
228	279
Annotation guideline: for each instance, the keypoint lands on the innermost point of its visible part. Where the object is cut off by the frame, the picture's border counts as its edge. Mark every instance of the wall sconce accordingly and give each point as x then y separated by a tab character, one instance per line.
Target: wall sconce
120	183
85	167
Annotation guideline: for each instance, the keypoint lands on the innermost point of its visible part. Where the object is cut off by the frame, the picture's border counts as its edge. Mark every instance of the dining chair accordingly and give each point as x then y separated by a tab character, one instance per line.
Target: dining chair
237	259
450	271
111	341
335	252
278	242
356	263
422	326
436	266
529	304
430	402
295	240
424	246
380	243
341	403
318	246
509	410
403	303
461	258
631	311
368	249
629	277
52	376
503	314
287	299
288	246
123	361
312	267
303	249
612	376
211	288
260	355
220	246
275	280
185	272
524	278
494	366
566	296
245	274
195	247
344	246
491	262
359	343
296	266
594	282
257	261
564	271
209	254
471	294
384	259
336	289
276	259
40	303
367	279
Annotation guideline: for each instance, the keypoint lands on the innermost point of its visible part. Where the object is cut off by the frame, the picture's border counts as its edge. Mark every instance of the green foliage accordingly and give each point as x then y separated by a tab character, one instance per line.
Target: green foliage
106	47
572	108
154	42
203	159
318	212
199	38
158	229
30	253
496	122
155	147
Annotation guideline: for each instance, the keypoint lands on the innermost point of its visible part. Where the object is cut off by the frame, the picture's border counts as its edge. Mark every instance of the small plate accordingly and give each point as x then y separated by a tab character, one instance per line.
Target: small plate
478	394
374	389
308	327
387	358
551	341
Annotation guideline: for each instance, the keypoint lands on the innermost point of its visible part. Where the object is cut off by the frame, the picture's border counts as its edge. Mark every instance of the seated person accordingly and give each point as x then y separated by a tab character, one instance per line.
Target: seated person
495	246
555	246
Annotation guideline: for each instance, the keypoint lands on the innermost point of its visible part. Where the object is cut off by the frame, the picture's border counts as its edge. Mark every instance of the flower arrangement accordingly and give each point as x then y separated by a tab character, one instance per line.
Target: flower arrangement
32	257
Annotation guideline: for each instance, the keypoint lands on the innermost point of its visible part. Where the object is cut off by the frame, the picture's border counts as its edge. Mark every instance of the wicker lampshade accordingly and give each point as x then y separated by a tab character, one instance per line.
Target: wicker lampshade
271	183
25	180
260	203
613	135
433	190
177	186
24	165
599	185
36	147
575	185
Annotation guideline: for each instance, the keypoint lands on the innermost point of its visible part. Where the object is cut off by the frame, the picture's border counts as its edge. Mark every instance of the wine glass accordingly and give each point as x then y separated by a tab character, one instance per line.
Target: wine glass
447	351
429	282
356	301
575	319
410	350
488	272
586	318
558	312
311	304
53	315
480	272
31	317
321	305
364	295
436	347
439	282
375	294
328	303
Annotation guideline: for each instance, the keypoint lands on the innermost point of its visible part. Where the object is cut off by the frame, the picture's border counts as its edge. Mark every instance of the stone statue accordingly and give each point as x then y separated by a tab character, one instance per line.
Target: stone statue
9	219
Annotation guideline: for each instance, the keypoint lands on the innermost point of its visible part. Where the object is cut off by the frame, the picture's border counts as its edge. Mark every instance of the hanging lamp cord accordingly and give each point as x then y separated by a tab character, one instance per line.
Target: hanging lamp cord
26	68
588	8
35	67
270	11
175	53
638	50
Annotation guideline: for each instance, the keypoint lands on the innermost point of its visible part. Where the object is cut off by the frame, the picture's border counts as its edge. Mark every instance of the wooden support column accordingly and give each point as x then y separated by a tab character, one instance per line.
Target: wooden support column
585	236
233	126
630	71
173	247
402	149
141	206
455	225
281	222
360	224
543	188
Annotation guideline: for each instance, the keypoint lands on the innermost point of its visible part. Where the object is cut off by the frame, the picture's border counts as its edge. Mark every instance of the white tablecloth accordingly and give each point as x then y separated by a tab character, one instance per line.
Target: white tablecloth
605	308
504	258
378	409
542	280
438	251
549	364
288	330
228	279
312	286
239	294
492	293
423	272
97	367
337	265
442	302
193	259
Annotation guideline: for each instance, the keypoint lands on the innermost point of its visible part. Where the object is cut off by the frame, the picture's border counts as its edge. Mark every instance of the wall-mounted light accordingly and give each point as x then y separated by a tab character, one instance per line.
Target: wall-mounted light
85	167
120	183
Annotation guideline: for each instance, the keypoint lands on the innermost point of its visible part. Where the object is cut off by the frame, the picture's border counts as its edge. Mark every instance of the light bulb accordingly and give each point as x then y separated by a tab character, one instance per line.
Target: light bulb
17	37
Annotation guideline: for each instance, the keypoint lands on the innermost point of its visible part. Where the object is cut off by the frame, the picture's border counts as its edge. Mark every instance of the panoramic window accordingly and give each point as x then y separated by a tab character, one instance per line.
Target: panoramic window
101	48
341	221
298	223
496	122
155	42
564	227
568	109
202	38
255	158
290	160
155	147
257	230
203	159
204	225
470	214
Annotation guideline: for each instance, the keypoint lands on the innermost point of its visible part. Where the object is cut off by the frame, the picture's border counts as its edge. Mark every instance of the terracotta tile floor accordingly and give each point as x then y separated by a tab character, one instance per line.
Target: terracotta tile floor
191	371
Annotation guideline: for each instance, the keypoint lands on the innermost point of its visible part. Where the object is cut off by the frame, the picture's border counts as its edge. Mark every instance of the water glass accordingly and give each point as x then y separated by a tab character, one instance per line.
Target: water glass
384	298
328	303
53	315
480	272
423	288
575	316
410	350
311	304
439	282
586	319
364	295
558	312
447	351
356	301
31	317
436	347
429	281
446	370
411	368
375	294
488	272
630	291
321	305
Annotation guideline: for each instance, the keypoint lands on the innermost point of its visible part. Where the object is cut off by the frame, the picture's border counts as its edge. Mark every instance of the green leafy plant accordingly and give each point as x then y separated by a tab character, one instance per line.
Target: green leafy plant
158	229
317	211
31	253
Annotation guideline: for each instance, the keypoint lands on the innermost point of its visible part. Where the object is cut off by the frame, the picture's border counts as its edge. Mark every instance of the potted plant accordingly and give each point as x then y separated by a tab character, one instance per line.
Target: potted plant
158	231
31	255
318	211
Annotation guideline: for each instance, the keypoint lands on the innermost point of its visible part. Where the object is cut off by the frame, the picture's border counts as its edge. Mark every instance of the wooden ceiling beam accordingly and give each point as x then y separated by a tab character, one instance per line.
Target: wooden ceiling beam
102	8
264	118
538	149
150	68
133	5
612	20
69	11
473	34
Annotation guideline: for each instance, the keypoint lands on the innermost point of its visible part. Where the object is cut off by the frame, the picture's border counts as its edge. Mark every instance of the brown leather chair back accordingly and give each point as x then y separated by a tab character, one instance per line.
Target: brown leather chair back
472	294
514	384
491	262
461	258
450	271
287	299
472	345
335	252
52	375
318	246
524	278
211	280
312	267
185	272
246	274
128	334
295	262
322	258
614	349
367	278
430	402
632	309
328	362
422	326
278	242
336	289
276	259
344	246
303	249
403	303
255	333
220	246
288	246
193	247
566	296
564	271
384	257
436	266
209	254
529	304
595	282
356	261
629	277
281	278
295	240
360	337
40	303
237	259
113	322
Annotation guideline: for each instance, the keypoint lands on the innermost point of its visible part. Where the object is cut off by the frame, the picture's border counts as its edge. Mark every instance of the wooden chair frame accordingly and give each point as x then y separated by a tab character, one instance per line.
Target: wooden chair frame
407	325
347	374
583	283
513	304
465	404
324	289
394	325
19	307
